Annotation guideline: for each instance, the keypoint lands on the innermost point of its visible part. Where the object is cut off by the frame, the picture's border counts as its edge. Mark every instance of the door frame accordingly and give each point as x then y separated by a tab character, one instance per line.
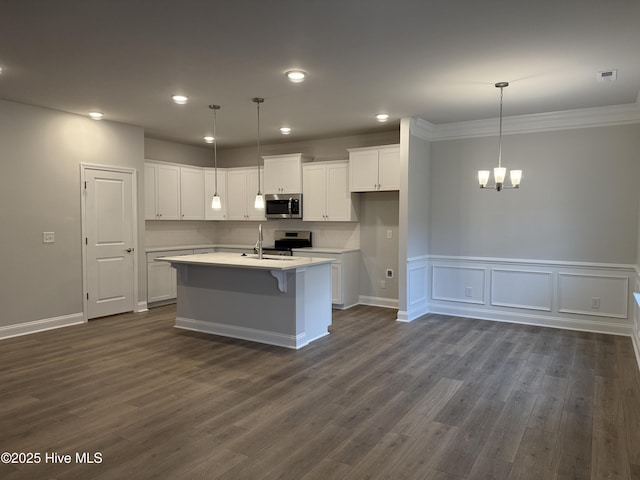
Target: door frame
134	214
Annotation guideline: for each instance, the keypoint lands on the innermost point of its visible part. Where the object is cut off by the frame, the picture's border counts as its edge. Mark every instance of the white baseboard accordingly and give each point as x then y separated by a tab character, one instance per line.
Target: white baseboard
41	325
142	307
595	326
242	333
378	301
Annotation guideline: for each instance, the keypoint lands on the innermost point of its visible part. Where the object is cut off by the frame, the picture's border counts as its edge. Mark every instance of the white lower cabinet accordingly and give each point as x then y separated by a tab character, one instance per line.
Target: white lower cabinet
345	276
161	277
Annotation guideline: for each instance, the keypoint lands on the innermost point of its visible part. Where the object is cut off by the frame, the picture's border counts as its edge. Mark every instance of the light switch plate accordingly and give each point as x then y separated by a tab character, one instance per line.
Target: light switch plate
48	237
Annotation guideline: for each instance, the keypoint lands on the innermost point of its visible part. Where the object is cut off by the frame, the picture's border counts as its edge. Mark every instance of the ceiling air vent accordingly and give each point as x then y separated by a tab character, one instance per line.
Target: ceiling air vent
607	75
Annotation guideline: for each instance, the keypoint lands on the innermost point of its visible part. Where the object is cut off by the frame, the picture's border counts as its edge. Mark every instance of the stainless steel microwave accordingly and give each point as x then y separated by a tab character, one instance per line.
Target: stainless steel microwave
283	205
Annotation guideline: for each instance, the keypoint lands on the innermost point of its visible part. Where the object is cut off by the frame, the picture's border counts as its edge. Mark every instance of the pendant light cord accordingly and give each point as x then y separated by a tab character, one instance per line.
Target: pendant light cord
215	148
258	101
500	134
215	152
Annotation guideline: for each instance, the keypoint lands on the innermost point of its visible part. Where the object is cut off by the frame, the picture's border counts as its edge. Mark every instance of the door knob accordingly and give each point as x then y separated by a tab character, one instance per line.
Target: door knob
129	250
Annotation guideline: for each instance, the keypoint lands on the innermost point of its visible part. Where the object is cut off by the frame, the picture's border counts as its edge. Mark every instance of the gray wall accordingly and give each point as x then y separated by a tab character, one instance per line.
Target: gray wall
578	200
378	213
40	191
165	151
321	150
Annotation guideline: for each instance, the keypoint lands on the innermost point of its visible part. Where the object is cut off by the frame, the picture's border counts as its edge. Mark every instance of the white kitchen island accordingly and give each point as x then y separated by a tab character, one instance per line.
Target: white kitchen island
284	301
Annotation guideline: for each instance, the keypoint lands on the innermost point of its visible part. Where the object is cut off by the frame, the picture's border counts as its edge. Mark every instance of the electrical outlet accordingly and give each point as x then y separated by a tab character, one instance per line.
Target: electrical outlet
595	303
383	284
468	292
48	237
389	273
389	233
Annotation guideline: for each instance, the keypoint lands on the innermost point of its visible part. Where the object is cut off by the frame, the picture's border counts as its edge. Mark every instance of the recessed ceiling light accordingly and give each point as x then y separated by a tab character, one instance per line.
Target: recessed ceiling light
96	115
296	76
209	139
285	130
382	117
180	99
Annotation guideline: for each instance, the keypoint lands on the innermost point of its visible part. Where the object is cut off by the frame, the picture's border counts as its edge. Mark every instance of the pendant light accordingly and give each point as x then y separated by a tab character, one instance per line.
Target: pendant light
500	172
259	202
216	204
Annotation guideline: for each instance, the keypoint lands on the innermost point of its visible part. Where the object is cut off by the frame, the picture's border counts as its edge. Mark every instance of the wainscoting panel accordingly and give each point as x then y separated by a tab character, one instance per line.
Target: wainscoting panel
570	295
528	289
588	294
458	283
417	289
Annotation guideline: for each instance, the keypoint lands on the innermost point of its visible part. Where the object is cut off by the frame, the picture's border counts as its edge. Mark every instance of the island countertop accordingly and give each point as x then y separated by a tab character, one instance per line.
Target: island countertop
236	260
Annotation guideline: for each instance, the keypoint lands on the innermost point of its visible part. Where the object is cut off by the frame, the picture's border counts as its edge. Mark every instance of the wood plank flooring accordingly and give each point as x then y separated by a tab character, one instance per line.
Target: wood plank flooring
439	398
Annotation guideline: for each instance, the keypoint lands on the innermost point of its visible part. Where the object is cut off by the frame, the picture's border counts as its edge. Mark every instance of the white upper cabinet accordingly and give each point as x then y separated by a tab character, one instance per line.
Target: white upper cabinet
242	186
374	168
283	173
162	191
326	192
210	189
191	193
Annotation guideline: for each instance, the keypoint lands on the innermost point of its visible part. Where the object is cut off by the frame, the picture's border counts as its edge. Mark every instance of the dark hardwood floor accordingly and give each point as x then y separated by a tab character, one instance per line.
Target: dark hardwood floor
439	398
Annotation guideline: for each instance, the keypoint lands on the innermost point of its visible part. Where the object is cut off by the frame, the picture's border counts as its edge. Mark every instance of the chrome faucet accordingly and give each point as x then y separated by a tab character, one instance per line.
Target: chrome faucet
259	242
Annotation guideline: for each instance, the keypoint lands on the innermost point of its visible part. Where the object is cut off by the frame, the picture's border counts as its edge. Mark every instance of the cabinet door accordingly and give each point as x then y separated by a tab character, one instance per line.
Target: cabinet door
237	194
336	283
168	190
363	171
389	168
191	193
161	282
150	193
272	176
339	204
252	190
291	175
315	192
209	190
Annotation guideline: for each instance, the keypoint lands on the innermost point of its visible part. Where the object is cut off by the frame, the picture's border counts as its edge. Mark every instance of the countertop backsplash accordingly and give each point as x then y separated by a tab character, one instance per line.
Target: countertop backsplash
171	233
177	233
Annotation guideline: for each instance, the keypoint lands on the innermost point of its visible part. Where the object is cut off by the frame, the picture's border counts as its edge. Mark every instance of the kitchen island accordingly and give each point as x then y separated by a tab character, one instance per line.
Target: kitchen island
284	301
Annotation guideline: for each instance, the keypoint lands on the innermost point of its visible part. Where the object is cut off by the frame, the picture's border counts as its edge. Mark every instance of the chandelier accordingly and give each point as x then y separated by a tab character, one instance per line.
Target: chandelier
499	172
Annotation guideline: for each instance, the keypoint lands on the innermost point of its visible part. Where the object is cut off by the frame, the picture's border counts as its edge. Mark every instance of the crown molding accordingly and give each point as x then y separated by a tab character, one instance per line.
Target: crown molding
538	122
422	129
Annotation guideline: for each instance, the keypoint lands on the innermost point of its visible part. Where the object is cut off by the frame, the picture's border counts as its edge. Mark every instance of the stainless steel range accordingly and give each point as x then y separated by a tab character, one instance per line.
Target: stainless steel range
286	240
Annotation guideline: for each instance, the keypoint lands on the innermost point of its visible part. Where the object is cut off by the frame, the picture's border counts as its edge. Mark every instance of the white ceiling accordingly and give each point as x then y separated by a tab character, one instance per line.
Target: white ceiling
437	59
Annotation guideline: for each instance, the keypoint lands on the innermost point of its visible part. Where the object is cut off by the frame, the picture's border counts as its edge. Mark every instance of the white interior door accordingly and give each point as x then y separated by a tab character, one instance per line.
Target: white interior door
109	242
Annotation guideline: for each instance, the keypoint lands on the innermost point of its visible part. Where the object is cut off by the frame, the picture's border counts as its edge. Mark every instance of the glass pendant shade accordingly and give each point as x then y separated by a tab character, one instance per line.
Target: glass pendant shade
516	176
216	204
499	174
483	177
259	202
